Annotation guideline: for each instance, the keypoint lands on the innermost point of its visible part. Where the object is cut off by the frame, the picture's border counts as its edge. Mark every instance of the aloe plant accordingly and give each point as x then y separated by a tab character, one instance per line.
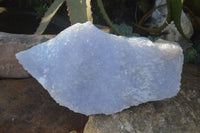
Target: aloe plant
79	11
105	16
176	10
49	15
83	13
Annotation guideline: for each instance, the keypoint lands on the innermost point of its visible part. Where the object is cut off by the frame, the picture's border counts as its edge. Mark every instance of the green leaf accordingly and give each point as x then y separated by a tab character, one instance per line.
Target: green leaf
79	11
105	16
190	55
49	15
176	9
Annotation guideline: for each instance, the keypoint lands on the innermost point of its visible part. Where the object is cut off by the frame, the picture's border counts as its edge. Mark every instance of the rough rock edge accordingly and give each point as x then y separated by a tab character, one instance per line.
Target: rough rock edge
10	44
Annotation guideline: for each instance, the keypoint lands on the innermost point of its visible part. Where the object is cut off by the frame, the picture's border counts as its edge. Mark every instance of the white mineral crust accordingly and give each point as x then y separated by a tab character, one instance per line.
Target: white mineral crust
93	72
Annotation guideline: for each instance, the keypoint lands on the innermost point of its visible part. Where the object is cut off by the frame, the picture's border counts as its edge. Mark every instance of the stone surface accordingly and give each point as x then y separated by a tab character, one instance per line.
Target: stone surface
10	44
180	114
93	72
25	107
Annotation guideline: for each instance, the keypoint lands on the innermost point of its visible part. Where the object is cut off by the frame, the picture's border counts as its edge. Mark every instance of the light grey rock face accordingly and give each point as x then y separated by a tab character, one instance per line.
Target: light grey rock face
93	72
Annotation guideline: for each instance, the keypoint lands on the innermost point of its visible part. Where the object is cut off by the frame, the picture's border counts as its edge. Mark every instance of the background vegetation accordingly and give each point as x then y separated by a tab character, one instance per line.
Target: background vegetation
125	17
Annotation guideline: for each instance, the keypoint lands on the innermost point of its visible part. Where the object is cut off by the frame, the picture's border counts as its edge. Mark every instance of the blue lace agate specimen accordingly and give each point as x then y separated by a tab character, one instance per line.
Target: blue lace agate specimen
93	72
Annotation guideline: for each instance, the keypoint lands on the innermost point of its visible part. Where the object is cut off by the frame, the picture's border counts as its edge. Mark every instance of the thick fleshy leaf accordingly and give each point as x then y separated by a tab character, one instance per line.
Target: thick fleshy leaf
79	11
105	16
48	16
176	9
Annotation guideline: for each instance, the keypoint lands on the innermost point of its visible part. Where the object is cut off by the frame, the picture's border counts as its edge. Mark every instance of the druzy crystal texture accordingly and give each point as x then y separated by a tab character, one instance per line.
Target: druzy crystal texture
93	72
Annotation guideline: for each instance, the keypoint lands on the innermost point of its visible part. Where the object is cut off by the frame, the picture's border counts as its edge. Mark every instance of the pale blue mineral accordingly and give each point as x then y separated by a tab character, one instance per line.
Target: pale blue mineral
93	72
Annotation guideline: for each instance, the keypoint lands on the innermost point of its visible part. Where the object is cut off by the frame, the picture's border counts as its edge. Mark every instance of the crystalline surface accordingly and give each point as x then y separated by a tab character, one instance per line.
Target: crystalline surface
93	72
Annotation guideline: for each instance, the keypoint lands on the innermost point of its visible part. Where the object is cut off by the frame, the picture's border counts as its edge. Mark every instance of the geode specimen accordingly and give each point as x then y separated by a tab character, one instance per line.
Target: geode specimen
93	72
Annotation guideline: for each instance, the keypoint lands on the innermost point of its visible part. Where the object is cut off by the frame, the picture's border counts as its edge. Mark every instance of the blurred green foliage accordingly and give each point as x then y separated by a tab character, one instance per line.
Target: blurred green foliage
193	5
198	48
124	29
190	55
39	6
49	15
124	13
